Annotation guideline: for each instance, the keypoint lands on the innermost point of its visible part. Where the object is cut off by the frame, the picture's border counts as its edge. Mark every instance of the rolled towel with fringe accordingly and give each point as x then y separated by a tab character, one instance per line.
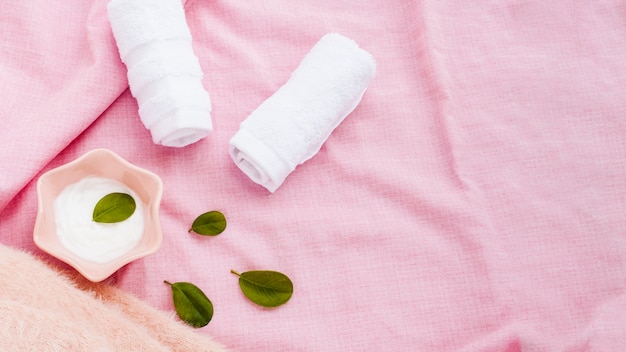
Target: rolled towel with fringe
155	44
291	126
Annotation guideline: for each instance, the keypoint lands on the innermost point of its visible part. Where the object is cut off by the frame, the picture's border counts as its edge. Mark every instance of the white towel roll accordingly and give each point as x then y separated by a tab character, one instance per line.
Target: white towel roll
164	73
290	127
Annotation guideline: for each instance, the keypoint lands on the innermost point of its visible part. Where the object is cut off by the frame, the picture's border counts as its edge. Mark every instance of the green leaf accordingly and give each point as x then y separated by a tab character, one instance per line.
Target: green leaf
211	223
265	288
191	304
114	207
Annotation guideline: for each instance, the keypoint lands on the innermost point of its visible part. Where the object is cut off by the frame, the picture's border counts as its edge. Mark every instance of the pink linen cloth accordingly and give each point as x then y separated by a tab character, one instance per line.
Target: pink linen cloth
474	201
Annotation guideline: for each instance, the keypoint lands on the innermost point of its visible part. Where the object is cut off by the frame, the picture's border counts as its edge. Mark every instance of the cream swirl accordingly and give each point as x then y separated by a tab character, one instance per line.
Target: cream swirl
90	240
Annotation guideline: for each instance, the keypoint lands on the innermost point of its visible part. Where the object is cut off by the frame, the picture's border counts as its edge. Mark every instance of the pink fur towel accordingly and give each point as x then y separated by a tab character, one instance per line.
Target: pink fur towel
44	310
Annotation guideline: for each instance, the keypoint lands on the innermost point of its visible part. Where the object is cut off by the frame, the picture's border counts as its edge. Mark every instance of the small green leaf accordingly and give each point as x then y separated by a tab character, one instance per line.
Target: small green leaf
265	288
191	304
209	224
114	207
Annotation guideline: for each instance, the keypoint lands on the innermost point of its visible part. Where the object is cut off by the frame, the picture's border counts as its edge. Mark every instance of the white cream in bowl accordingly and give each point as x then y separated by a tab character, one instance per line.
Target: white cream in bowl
90	240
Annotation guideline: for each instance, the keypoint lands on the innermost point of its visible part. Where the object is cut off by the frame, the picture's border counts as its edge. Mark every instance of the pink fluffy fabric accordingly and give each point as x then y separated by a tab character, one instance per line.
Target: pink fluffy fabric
46	310
474	201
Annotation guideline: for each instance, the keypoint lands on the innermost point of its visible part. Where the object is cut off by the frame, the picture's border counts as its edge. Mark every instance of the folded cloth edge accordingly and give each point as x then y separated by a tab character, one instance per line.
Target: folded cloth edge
260	163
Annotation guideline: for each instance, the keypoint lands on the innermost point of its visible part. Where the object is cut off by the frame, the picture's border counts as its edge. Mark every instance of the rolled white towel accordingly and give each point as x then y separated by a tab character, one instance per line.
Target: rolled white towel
164	73
290	127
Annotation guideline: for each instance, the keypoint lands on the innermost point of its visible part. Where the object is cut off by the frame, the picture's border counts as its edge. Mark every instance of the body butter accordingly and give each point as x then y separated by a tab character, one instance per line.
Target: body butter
88	239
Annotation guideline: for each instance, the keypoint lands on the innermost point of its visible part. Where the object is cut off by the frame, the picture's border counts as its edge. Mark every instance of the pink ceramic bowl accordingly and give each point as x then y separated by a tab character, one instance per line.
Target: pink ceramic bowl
103	163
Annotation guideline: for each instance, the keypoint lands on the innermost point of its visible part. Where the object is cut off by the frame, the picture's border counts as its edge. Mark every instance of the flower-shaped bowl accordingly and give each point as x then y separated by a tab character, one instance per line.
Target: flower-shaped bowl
102	163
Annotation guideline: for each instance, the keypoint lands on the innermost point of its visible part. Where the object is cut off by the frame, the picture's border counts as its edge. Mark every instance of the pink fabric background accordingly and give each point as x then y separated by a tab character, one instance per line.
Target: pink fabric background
474	201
